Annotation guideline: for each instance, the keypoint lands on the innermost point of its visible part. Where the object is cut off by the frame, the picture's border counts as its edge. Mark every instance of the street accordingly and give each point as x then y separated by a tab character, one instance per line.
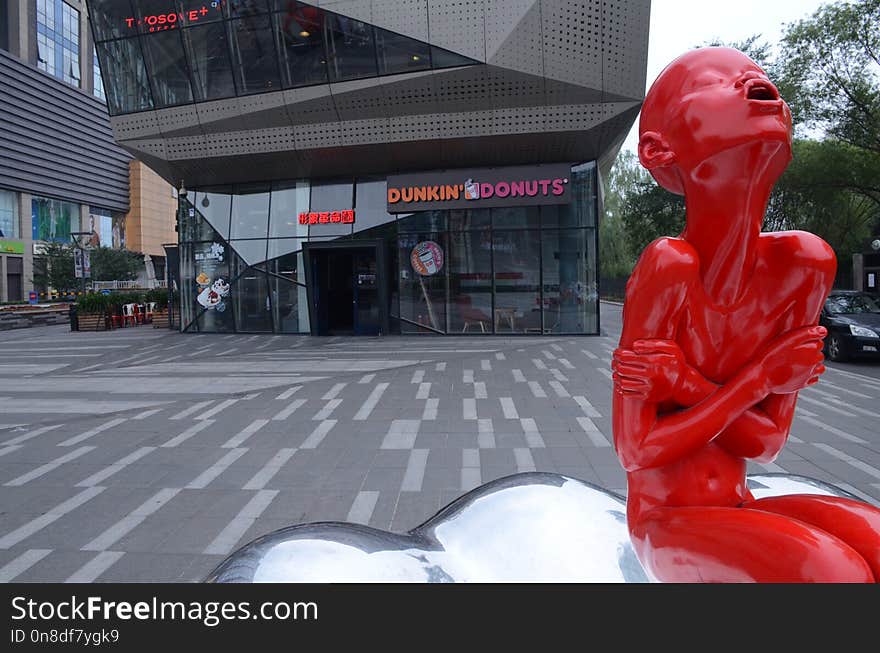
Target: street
147	455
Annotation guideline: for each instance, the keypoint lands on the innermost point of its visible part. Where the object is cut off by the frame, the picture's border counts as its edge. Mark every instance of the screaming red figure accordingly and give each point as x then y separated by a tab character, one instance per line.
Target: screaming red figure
719	335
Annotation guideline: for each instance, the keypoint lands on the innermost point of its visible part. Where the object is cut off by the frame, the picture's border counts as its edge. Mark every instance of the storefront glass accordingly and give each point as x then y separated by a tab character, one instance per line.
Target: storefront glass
511	270
9	215
53	220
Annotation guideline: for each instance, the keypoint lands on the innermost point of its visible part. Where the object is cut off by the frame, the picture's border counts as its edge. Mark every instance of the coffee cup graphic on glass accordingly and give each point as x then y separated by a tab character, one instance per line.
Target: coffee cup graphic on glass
471	190
426	256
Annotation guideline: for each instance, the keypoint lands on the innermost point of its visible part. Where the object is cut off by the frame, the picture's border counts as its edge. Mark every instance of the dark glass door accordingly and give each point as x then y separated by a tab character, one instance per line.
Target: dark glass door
367	316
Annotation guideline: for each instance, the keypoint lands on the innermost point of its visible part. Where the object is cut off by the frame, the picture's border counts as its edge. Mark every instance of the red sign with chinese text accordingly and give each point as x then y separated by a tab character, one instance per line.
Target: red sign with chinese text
327	217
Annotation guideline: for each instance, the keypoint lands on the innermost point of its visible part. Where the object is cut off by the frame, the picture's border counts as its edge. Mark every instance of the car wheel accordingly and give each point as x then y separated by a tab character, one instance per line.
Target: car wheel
834	345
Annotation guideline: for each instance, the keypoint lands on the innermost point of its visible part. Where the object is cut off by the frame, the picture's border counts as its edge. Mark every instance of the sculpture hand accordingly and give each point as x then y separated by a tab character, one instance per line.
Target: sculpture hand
652	370
793	360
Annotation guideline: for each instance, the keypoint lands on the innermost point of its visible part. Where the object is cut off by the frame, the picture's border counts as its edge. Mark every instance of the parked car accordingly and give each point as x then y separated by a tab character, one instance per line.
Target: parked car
853	322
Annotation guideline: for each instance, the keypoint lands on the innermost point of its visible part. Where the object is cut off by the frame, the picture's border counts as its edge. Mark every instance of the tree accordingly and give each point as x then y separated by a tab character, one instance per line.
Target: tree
54	268
110	264
616	259
651	212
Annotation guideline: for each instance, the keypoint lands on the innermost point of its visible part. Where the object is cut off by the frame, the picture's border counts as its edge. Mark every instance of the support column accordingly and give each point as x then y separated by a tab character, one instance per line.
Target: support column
4	290
26	230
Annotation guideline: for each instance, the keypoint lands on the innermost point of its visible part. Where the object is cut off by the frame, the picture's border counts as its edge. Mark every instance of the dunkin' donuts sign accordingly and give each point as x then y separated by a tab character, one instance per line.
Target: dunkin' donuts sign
483	188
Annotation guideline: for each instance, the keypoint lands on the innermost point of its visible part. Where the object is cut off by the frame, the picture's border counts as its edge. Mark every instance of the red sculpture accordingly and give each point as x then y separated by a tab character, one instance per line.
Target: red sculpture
719	335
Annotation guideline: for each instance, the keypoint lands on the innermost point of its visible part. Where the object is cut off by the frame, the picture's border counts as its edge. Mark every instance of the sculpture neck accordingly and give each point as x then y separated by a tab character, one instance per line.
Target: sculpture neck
726	197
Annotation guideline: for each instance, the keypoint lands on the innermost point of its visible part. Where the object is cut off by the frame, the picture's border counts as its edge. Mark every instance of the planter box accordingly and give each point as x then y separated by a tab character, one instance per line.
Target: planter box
92	322
160	320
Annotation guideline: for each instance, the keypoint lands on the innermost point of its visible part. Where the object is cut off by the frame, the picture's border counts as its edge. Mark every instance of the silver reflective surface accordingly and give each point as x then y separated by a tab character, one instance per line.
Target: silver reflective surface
532	527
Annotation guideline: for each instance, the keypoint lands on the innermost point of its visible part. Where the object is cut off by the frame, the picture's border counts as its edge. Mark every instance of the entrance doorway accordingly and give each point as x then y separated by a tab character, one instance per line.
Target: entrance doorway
348	295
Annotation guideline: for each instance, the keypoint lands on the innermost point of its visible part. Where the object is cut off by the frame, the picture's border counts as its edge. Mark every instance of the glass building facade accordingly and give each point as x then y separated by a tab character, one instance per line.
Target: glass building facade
165	53
58	40
287	258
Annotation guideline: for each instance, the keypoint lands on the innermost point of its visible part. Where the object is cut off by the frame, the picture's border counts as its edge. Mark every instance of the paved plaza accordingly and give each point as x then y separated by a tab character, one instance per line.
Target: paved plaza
147	455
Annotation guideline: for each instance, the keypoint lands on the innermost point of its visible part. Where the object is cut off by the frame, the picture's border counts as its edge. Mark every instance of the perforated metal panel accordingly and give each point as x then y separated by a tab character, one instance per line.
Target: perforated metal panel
458	25
564	80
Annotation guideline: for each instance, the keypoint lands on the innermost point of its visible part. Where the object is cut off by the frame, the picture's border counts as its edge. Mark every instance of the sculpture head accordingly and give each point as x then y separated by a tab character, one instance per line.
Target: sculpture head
709	101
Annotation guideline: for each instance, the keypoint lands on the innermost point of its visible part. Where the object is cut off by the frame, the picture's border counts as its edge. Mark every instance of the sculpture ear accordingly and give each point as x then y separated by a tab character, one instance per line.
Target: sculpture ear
654	151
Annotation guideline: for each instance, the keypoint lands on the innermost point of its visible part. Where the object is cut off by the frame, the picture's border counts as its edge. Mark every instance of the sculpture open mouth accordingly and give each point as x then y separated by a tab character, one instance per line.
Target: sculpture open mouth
761	90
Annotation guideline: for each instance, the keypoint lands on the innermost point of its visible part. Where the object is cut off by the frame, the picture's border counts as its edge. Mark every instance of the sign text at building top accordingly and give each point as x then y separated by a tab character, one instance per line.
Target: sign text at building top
481	188
159	22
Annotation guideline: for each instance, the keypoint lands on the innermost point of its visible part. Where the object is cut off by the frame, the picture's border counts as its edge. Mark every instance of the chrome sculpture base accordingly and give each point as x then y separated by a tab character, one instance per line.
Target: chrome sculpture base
531	527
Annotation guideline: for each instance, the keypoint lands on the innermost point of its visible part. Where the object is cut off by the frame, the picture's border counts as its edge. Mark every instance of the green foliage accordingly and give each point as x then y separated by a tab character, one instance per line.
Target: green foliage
110	264
651	212
92	303
54	268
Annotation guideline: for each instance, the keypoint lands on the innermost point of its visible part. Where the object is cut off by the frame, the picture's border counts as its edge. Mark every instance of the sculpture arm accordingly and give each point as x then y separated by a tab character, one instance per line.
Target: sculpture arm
759	433
643	438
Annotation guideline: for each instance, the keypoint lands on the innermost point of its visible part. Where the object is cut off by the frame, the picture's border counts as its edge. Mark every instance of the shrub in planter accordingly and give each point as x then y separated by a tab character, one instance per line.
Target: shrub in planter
91	311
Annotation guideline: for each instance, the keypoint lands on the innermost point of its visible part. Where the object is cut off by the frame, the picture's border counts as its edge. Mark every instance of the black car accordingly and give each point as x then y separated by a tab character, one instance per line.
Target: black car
853	322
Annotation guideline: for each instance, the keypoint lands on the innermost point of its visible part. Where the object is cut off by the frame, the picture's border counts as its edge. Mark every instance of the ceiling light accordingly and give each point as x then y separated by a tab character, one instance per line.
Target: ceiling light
305	34
416	57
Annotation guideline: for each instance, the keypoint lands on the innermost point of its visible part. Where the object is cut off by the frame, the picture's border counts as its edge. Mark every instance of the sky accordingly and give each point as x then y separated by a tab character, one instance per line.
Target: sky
679	25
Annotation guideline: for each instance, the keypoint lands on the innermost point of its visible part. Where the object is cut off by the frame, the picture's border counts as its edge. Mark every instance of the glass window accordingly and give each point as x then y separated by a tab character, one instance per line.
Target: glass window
209	60
166	65
469	219
250	216
441	58
250	300
58	40
290	308
302	45
400	54
112	19
581	212
251	252
127	86
51	220
422	221
281	246
215	209
327	199
101	224
205	290
97	80
470	282
422	281
350	48
519	217
517	265
570	297
287	204
236	8
9	224
371	203
254	56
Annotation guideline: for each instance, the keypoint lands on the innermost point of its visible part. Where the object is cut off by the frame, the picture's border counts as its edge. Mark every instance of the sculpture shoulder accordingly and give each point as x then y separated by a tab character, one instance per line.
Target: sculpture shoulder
664	261
658	288
800	249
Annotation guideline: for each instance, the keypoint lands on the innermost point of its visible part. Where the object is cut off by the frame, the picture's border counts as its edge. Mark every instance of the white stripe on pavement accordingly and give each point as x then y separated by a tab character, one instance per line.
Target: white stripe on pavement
363	506
187	434
32	434
110	470
289	410
333	392
26	530
430	412
42	470
192	409
318	435
596	436
22	563
415	471
368	406
267	473
587	407
234	530
90	571
524	460
205	478
133	519
508	408
402	434
91	432
223	405
239	439
845	457
287	394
